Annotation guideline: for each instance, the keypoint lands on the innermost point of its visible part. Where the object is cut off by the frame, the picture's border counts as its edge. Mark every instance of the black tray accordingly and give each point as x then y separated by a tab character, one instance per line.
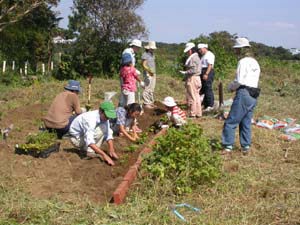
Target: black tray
38	154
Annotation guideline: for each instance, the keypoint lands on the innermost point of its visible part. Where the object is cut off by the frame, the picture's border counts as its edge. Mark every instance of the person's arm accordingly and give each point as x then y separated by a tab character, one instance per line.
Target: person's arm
111	149
106	158
132	137
205	76
146	68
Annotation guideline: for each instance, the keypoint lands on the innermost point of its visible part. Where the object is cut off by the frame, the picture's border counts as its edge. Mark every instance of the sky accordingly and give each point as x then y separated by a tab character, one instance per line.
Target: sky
271	22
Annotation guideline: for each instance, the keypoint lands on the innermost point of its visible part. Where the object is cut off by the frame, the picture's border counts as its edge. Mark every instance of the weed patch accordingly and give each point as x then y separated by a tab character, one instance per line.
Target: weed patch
185	157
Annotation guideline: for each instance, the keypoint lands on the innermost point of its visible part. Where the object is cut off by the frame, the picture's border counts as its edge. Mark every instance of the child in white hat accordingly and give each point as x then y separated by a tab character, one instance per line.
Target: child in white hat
175	114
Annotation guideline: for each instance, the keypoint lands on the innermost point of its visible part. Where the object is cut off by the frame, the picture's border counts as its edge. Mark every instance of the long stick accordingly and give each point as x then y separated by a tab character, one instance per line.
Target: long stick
139	97
221	96
90	77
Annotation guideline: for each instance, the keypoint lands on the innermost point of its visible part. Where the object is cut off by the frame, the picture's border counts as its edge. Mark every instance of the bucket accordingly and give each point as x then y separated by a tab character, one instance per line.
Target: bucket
108	95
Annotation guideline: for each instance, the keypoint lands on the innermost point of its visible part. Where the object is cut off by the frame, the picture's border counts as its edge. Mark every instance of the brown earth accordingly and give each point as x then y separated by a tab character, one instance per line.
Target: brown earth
64	175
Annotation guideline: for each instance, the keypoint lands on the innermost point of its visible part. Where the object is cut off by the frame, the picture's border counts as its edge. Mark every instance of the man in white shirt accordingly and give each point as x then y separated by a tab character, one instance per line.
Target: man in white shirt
207	76
90	129
246	87
135	46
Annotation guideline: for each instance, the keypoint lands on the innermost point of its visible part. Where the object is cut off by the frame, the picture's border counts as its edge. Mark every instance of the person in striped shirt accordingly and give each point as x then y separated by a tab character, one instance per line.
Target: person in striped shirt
175	114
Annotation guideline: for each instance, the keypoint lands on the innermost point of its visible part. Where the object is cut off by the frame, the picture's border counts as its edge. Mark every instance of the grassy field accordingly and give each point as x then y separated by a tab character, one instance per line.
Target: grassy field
261	188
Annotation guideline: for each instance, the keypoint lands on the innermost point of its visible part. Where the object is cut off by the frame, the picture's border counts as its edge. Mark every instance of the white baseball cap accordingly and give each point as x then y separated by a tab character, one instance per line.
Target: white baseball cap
136	43
169	101
241	43
188	46
202	45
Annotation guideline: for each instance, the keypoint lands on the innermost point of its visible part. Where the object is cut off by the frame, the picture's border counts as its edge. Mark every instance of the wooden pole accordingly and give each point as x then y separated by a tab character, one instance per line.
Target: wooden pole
221	95
4	66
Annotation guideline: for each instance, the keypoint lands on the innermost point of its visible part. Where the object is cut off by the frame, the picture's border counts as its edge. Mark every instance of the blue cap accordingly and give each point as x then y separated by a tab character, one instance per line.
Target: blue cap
126	58
73	85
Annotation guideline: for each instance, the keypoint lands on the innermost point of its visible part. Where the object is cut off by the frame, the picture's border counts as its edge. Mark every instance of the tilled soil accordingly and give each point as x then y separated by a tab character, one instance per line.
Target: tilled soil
64	175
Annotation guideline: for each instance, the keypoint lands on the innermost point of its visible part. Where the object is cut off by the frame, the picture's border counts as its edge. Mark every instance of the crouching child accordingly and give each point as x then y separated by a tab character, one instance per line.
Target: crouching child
174	114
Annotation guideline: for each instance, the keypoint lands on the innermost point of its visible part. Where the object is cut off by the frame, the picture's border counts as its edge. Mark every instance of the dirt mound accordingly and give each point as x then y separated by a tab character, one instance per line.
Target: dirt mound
63	175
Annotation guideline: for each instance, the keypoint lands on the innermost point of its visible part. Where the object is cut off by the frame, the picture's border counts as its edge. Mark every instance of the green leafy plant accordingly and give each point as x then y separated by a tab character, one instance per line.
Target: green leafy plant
183	156
38	142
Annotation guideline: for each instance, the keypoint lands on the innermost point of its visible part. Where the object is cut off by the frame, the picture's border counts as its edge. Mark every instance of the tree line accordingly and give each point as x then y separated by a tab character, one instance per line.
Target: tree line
102	30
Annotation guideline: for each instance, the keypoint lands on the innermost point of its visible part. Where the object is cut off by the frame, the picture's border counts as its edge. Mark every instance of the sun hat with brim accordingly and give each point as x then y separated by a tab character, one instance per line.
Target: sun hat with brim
126	58
109	109
188	46
201	45
136	43
151	45
73	85
241	43
169	101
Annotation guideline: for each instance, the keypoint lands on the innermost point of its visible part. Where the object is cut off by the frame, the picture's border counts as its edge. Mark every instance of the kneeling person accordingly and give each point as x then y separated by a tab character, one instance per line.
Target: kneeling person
175	114
126	121
63	110
90	129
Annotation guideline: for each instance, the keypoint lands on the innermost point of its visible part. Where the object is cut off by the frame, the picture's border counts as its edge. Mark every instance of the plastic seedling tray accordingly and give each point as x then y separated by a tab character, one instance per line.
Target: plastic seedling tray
38	153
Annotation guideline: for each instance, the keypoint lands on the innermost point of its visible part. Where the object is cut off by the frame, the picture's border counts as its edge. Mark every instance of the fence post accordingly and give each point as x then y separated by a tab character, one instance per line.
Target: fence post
43	68
51	67
25	70
4	66
13	65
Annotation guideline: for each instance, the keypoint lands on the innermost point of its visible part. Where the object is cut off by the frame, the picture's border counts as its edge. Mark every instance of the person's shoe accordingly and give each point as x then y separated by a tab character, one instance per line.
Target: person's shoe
246	150
227	150
208	109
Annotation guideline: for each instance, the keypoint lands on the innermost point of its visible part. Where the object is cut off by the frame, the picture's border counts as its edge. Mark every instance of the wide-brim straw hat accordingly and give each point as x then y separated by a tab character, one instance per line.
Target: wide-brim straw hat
151	45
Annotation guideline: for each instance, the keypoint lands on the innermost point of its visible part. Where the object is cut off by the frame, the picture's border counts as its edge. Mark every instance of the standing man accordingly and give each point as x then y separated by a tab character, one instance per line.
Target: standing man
148	63
135	46
246	87
192	80
63	110
90	129
207	76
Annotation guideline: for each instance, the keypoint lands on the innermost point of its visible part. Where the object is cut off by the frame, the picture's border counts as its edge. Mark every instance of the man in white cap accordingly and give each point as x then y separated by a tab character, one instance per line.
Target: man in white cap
207	76
135	46
192	80
246	87
148	63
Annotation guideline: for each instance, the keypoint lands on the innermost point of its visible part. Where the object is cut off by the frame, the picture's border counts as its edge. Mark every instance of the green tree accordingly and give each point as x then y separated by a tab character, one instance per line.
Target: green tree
12	11
30	38
103	26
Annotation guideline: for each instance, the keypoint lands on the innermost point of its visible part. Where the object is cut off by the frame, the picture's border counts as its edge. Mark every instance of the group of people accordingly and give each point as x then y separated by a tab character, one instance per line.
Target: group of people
88	130
199	77
129	74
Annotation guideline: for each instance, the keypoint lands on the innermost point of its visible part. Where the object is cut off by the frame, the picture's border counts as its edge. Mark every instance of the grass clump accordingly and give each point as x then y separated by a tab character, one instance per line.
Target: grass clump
184	157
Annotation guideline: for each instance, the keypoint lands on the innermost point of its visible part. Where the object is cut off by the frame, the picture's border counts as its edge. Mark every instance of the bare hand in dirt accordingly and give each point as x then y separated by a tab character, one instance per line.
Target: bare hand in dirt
113	155
108	160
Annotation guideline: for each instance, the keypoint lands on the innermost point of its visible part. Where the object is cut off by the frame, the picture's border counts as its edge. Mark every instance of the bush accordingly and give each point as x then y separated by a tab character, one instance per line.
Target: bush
185	158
